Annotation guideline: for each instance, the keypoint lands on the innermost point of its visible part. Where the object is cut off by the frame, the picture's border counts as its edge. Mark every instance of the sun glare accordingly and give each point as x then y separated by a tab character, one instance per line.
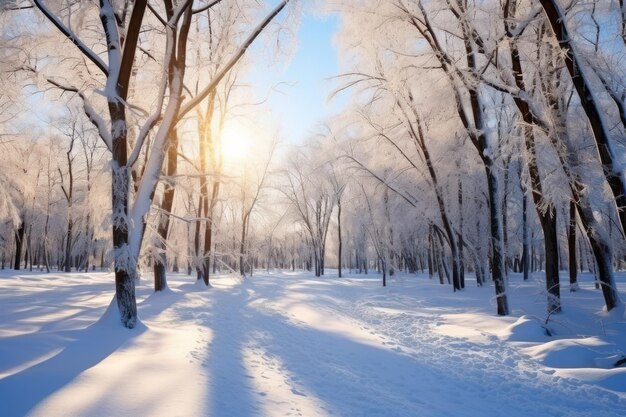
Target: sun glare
235	143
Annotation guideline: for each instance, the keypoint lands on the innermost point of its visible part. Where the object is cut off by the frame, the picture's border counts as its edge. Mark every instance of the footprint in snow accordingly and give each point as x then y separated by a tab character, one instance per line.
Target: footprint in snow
296	392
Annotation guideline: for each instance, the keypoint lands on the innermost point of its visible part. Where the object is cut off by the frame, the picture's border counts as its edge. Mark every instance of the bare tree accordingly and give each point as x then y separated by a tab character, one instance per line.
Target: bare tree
121	30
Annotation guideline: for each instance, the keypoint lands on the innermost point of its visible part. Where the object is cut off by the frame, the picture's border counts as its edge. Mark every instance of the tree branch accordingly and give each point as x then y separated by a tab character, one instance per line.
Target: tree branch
69	34
242	50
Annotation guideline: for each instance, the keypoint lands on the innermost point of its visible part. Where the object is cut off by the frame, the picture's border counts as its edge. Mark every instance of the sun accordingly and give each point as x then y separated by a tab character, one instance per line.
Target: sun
235	143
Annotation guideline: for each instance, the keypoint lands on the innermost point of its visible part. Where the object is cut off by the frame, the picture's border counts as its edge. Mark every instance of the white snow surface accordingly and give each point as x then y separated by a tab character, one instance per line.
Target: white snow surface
290	344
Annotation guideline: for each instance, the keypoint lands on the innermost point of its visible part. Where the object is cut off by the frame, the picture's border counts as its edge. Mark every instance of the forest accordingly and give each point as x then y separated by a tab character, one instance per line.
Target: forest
481	147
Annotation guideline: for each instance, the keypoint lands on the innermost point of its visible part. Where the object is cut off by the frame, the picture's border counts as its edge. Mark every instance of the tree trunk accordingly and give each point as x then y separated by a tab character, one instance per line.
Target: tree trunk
549	227
339	241
125	263
67	267
28	258
431	251
167	204
196	239
571	246
242	247
497	272
384	265
19	242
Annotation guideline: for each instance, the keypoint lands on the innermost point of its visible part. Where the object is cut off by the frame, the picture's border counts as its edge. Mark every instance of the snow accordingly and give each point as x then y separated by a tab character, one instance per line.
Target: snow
291	344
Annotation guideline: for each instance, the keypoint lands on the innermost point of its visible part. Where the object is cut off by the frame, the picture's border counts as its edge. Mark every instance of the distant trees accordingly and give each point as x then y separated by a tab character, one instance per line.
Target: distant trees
59	215
310	193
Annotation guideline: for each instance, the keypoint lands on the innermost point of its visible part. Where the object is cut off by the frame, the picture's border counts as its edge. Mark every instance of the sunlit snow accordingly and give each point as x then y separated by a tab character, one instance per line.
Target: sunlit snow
292	344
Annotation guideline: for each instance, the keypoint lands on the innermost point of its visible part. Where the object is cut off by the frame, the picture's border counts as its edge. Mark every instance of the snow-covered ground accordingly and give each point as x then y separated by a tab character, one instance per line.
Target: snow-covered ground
288	344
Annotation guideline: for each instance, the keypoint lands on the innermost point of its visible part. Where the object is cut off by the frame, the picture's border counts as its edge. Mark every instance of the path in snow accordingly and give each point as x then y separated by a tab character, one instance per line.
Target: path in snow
282	345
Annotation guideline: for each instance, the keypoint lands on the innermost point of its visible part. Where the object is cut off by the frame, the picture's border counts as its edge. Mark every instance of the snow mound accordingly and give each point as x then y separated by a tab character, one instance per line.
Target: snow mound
111	320
525	329
589	352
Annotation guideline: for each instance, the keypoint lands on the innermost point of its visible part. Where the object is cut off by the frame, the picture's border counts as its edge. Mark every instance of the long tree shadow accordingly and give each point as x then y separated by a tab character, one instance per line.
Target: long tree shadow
230	383
79	351
354	378
348	377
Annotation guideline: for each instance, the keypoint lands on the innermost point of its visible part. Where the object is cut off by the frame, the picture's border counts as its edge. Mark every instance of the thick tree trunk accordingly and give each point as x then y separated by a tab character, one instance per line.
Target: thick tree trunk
549	227
125	263
603	256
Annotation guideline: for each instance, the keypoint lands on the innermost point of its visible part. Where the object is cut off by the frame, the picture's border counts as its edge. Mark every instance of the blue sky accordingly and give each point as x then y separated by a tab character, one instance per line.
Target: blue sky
300	103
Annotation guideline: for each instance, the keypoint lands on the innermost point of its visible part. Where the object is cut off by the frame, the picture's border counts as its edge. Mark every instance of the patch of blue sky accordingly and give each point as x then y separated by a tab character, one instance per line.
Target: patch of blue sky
298	100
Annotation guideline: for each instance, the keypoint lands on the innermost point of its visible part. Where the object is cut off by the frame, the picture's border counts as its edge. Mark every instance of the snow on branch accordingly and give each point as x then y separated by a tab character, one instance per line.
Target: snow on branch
69	34
91	113
107	16
97	120
156	116
206	7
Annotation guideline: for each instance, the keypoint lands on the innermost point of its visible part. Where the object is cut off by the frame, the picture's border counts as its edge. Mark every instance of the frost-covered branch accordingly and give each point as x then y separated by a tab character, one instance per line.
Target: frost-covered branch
206	7
92	114
109	23
69	34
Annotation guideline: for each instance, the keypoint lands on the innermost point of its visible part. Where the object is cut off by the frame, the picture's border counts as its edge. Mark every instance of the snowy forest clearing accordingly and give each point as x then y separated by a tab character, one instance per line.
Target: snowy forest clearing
292	344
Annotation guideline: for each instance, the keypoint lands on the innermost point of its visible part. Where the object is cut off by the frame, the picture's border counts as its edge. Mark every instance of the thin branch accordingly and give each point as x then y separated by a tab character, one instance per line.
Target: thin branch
238	55
69	34
91	113
207	7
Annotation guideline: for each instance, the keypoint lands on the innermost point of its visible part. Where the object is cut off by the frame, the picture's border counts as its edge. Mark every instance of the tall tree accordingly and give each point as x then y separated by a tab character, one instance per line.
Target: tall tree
122	31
